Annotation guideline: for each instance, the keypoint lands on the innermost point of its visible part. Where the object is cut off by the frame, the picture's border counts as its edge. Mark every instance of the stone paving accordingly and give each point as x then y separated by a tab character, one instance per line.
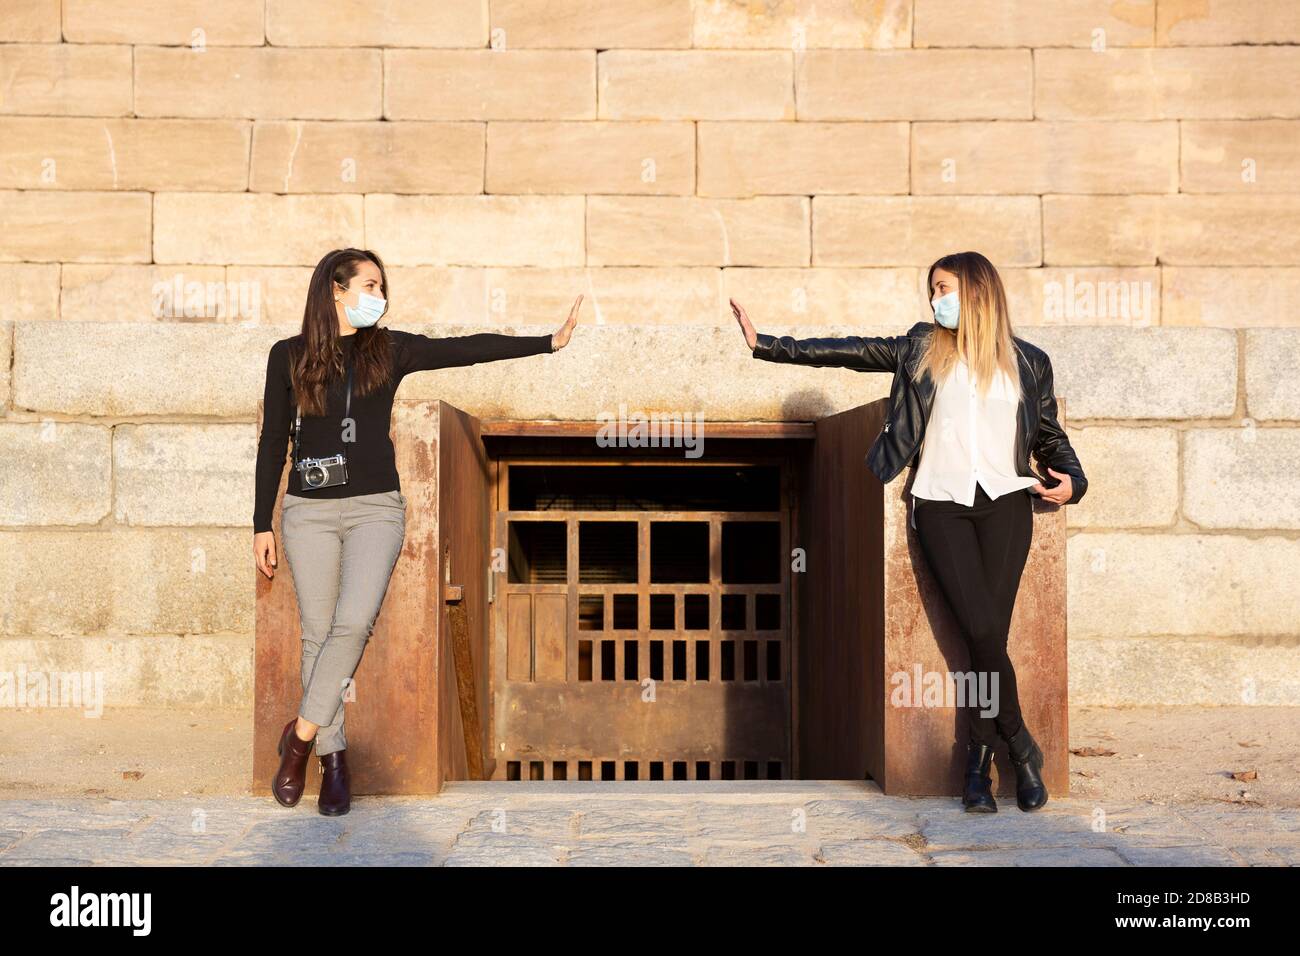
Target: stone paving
797	823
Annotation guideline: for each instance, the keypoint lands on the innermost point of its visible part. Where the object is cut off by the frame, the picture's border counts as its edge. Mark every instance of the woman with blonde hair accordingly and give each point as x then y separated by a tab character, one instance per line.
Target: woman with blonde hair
968	404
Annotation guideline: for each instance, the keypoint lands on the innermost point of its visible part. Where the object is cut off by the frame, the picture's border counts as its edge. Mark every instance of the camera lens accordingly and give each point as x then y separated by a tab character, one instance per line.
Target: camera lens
314	476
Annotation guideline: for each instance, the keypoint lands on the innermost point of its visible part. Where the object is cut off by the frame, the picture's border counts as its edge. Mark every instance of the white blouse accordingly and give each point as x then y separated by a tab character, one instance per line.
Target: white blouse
969	439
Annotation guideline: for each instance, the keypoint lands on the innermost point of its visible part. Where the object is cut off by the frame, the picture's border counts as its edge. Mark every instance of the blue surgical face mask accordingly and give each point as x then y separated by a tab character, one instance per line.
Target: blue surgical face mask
367	312
946	308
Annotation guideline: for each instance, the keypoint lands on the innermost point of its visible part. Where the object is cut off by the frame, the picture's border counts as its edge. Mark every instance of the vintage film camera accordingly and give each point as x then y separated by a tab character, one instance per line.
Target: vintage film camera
322	472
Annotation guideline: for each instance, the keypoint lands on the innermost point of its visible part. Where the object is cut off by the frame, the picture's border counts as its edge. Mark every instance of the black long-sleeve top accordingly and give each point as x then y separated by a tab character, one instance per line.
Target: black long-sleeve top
370	460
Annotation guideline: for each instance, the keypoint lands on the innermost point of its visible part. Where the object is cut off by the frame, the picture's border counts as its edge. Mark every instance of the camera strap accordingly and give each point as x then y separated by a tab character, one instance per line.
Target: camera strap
297	422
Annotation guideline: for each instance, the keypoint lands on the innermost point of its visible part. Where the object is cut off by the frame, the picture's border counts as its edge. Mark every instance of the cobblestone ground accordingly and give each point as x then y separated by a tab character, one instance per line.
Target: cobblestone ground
799	823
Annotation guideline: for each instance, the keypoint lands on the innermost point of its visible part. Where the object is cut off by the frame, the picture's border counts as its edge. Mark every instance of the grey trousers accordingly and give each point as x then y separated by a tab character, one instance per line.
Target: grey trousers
341	553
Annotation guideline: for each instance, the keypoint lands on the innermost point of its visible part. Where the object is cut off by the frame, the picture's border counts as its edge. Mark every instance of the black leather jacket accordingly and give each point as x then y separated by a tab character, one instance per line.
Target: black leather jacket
911	398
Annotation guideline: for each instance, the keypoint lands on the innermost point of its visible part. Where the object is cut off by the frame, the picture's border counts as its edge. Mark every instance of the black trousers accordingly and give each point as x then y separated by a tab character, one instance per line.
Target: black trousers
977	555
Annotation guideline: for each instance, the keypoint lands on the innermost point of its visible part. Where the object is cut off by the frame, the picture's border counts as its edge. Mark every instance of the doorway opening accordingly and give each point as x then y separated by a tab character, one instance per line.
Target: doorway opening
642	626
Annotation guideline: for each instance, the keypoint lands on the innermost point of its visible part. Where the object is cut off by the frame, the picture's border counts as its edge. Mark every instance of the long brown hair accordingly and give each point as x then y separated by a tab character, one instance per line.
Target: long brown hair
316	359
983	337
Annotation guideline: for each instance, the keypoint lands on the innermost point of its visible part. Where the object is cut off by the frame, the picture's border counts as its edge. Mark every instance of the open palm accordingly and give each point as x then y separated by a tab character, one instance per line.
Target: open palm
561	337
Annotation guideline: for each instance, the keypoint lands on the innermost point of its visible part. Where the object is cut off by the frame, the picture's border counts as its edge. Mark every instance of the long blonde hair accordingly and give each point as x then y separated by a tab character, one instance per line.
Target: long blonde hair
983	337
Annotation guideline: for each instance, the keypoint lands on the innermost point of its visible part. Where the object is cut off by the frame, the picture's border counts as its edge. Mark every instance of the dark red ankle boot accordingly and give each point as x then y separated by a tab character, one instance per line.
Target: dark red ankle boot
291	776
335	786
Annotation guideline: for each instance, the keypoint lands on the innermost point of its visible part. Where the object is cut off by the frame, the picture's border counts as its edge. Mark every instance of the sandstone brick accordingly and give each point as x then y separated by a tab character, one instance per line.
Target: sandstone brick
696	84
214	463
1083	296
1207	584
253	228
804	24
1218	83
1226	22
279	293
819	297
55	473
916	230
370	23
712	373
144	154
259	83
1132	477
1204	671
578	24
476	230
367	157
687	231
125	581
51	226
1143	373
914	85
1271	357
1026	23
1236	156
1102	230
1241	477
599	157
175	23
490	84
32	294
258	295
746	159
1230	297
133	368
151	670
30	21
420	295
626	297
93	292
1046	157
1174	230
60	79
416	294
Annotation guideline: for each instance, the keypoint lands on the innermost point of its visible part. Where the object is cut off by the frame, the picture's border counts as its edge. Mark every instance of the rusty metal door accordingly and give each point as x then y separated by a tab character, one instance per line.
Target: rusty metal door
418	713
641	644
840	600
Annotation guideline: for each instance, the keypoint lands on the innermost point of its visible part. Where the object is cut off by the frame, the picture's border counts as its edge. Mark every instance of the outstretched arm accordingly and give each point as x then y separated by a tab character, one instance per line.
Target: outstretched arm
862	353
1053	450
423	352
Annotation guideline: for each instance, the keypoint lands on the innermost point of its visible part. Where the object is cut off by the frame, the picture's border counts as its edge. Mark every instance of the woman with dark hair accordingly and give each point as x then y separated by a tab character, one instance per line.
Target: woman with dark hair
344	515
969	402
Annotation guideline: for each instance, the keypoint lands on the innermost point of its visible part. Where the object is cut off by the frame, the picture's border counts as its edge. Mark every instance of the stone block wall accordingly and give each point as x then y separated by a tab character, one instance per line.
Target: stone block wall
169	173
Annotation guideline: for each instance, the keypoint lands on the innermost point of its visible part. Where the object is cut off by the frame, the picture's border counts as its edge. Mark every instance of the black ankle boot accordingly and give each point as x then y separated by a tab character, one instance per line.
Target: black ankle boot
978	794
1027	758
335	786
